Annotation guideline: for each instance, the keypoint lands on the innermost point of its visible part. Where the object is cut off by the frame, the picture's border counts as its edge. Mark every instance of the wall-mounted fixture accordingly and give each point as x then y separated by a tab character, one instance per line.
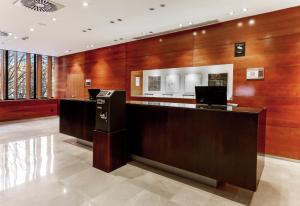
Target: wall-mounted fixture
88	82
255	73
240	49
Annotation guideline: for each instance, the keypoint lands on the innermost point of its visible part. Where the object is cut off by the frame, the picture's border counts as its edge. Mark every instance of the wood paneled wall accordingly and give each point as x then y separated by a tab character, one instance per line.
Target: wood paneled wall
273	42
27	109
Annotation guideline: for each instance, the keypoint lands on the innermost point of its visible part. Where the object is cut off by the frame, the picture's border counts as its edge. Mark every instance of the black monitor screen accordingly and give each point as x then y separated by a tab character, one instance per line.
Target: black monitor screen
211	95
93	93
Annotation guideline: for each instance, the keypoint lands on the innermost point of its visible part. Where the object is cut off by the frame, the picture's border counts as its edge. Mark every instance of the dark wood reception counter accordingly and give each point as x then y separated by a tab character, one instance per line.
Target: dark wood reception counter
220	142
77	118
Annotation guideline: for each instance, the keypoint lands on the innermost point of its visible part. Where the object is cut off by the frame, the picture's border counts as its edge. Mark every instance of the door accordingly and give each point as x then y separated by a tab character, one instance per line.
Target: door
75	86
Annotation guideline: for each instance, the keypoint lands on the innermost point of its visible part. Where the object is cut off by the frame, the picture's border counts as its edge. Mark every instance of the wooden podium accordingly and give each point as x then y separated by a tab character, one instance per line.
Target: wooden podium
109	150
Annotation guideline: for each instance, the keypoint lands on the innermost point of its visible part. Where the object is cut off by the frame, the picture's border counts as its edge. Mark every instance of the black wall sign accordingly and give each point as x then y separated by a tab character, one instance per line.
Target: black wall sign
240	49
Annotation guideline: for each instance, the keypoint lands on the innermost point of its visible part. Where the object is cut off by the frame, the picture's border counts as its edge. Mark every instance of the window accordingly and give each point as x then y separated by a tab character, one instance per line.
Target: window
11	75
32	76
21	75
44	76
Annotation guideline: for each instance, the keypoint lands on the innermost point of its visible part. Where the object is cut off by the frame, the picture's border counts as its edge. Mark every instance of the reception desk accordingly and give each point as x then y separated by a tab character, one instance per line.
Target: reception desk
77	118
223	143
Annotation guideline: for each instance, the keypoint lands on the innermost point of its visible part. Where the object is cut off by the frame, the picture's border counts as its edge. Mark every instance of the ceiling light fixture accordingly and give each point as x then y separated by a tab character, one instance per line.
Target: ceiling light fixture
240	24
162	5
120	19
190	23
112	22
31	29
54	19
92	45
67	51
16	37
245	9
231	13
151	9
251	22
85	4
10	34
195	33
180	25
203	32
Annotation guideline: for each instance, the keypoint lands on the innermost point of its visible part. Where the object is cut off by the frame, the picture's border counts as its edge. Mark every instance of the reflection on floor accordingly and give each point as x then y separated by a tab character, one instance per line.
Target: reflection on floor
38	168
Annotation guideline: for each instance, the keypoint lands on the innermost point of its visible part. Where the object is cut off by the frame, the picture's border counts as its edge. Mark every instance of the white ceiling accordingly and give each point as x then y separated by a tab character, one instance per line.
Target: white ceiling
66	33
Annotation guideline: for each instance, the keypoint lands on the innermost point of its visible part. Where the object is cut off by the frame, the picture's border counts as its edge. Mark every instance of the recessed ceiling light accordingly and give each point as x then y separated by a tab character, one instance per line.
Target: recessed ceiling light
180	25
162	5
240	24
89	29
195	33
10	34
67	51
151	32
151	9
92	45
54	19
120	19
203	32
112	22
31	29
190	23
245	9
84	30
160	40
251	22
16	37
85	4
231	13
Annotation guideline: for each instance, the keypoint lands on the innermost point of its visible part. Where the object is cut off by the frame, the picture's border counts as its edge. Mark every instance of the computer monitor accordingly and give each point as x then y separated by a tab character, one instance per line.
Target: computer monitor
93	93
211	95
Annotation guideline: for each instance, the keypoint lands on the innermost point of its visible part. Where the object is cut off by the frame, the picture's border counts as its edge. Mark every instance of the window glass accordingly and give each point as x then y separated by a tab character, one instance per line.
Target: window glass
44	75
32	76
11	73
21	78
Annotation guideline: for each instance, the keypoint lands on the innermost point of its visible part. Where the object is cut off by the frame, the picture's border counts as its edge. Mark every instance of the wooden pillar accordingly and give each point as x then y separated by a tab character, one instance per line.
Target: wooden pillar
39	76
49	79
2	74
28	76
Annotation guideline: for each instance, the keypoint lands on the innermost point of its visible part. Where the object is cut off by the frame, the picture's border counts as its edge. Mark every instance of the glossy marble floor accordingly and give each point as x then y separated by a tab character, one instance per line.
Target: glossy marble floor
38	168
